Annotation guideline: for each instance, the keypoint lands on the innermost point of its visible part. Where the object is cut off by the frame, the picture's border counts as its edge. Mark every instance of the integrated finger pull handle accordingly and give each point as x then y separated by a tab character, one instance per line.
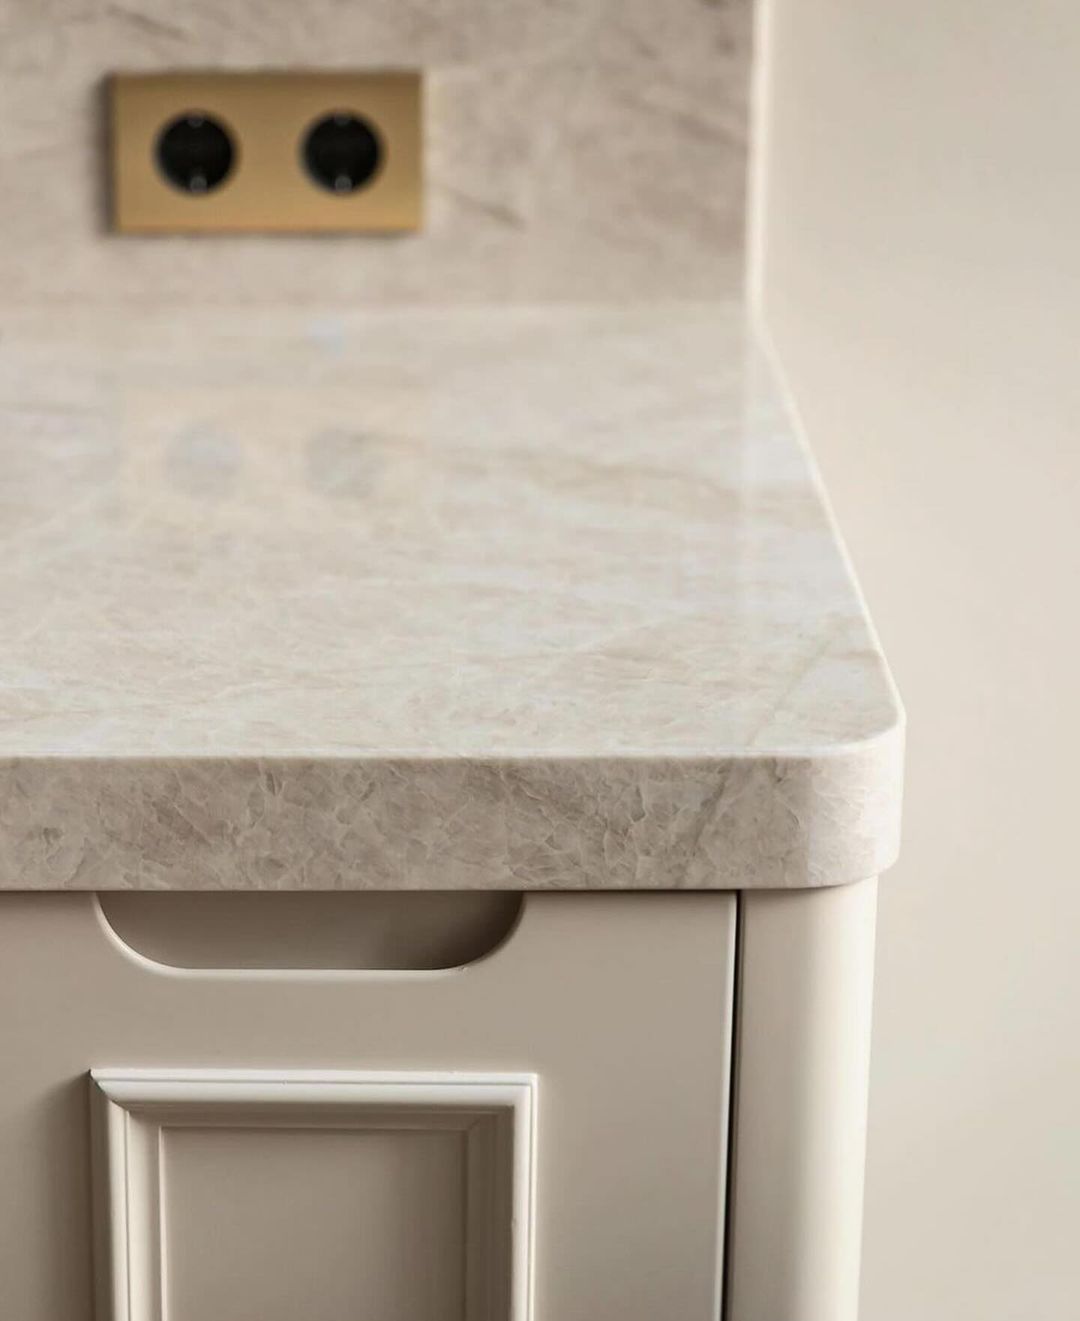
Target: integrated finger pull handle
365	930
266	152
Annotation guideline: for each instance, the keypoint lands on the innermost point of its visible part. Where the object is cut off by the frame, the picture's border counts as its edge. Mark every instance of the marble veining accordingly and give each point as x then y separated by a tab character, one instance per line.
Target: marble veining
582	149
531	596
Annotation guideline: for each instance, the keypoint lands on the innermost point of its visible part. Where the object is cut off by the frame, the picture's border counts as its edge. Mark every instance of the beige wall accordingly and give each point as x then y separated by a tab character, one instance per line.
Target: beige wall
922	228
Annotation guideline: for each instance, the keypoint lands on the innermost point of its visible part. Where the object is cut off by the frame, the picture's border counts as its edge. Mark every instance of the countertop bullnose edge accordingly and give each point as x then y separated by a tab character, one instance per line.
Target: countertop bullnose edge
765	821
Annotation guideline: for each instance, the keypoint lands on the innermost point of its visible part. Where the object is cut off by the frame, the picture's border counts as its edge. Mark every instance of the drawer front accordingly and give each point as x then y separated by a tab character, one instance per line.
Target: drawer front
540	1136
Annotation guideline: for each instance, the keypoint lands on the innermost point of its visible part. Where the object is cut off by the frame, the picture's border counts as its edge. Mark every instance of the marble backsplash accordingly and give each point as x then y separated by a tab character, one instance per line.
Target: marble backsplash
577	149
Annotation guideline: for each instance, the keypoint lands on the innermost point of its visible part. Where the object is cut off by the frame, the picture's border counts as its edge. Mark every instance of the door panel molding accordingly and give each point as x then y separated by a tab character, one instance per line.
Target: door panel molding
134	1111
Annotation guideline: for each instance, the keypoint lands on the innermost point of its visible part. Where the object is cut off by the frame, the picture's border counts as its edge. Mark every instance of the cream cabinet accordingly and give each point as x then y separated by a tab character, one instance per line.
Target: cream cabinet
542	1133
555	1130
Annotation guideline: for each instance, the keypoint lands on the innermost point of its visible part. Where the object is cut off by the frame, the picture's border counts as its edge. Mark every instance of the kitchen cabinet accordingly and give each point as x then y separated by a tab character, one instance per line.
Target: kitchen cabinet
311	625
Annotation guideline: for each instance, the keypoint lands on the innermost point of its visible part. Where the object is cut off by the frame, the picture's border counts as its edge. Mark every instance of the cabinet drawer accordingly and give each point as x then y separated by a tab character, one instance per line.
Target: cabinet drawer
537	1136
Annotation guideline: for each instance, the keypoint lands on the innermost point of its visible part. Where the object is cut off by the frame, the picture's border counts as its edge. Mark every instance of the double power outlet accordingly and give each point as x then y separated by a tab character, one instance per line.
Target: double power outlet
266	152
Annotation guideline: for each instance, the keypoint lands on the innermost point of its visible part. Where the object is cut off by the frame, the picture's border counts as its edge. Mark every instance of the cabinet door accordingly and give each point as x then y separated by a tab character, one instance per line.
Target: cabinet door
539	1136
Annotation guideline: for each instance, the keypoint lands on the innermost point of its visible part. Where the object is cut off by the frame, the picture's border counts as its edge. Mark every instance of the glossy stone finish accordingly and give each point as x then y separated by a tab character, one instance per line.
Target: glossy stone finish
520	598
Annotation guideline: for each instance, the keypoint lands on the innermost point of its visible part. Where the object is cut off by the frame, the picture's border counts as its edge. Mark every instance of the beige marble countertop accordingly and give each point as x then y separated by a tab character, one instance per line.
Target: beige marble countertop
519	598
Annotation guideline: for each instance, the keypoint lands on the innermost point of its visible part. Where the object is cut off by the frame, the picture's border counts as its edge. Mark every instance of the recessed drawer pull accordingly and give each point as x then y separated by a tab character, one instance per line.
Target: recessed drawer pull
356	930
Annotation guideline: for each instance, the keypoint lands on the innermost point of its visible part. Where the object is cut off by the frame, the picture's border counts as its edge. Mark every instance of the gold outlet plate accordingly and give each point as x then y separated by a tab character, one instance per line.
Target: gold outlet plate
267	116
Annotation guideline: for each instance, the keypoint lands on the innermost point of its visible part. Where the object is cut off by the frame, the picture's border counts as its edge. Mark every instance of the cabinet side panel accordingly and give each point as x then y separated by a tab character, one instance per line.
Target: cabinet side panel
804	1009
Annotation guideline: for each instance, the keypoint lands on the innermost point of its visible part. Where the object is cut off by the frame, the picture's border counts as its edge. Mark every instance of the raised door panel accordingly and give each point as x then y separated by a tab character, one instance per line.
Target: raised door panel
279	1224
276	1193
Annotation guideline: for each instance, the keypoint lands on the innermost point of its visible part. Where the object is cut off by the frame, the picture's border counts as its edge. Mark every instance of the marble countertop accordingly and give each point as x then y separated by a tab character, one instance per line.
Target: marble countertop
523	598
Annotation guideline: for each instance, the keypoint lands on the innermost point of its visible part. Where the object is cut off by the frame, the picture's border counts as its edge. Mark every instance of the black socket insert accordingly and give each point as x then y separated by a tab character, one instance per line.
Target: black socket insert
195	152
342	152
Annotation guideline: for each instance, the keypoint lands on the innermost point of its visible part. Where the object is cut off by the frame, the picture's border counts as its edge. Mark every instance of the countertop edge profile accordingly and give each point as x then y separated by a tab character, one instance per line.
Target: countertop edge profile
764	821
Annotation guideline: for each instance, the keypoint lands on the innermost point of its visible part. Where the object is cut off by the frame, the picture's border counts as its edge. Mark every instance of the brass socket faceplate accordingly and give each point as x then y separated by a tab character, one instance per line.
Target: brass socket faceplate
267	116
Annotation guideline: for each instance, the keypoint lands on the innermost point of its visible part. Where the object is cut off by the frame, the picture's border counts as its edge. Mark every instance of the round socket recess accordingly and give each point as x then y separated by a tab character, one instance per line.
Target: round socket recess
342	152
195	152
